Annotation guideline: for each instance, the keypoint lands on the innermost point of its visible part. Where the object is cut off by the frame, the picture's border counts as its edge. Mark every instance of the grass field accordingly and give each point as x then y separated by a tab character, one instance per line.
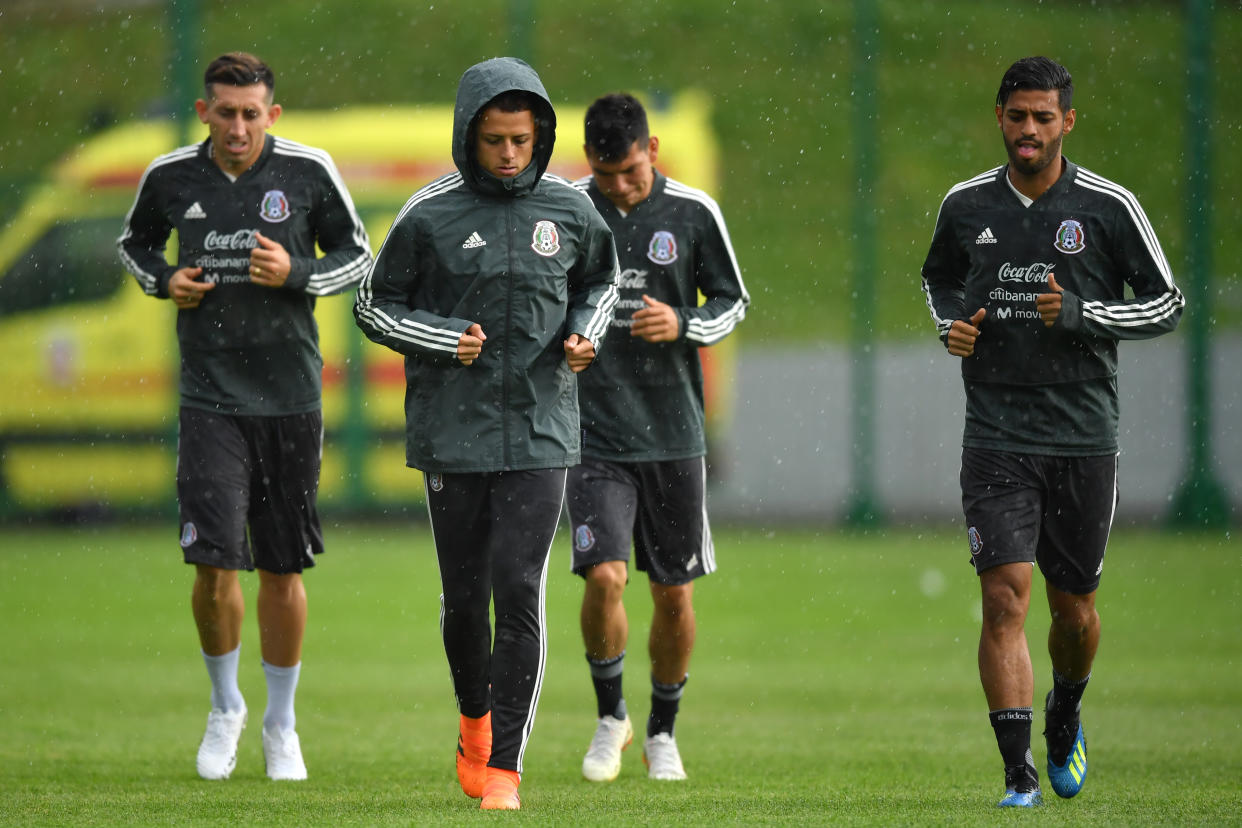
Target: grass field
834	682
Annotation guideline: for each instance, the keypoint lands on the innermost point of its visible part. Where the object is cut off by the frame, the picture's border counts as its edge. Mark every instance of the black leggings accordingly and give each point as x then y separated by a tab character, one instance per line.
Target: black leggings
493	533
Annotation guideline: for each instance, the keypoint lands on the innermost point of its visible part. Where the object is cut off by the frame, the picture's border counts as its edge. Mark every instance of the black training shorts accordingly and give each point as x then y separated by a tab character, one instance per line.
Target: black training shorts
247	488
661	506
1055	511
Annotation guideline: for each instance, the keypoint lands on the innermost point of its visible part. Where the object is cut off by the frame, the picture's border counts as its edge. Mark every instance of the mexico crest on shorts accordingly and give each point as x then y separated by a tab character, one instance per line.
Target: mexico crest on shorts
662	249
976	541
1070	237
584	538
545	241
275	206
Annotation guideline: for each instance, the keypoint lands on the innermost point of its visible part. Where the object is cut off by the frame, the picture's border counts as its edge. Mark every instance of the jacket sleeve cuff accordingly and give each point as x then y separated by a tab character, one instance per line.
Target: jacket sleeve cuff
1070	316
161	288
299	274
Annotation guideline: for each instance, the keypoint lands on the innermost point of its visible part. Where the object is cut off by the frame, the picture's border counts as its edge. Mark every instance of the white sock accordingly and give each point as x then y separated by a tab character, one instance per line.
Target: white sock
222	670
282	683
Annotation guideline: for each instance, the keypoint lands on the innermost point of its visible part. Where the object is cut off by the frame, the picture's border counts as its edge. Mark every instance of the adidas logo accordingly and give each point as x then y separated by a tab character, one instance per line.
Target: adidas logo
986	237
195	211
475	240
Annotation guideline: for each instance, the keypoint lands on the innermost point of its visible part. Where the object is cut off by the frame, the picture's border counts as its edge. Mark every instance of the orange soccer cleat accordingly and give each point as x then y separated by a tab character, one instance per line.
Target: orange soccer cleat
500	791
474	748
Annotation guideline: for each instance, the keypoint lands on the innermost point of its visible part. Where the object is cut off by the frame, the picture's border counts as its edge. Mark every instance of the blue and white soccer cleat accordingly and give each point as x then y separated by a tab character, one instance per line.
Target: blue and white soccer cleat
1021	799
1067	779
1021	787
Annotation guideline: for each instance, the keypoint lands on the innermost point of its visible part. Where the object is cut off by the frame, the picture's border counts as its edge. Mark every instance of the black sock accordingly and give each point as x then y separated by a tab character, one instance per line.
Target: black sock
1013	736
1061	717
1066	697
606	676
665	699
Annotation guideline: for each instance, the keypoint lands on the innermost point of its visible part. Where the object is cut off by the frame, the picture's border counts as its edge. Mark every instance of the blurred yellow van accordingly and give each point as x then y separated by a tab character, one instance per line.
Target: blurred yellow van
88	393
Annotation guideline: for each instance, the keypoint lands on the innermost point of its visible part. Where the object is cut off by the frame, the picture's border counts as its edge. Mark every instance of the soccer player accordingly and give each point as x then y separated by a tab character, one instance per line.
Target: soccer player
1026	281
497	283
642	476
248	208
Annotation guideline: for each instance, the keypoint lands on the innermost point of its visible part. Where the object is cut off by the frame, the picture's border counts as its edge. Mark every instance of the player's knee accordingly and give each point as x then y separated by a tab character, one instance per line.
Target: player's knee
1075	623
284	588
1003	606
607	580
214	582
673	600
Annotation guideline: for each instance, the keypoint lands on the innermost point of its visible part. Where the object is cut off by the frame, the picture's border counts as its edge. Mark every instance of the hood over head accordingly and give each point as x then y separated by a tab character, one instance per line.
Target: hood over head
478	85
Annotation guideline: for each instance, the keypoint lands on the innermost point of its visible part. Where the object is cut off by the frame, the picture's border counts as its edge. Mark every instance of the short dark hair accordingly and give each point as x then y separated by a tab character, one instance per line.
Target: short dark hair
514	100
613	123
1040	73
239	69
519	100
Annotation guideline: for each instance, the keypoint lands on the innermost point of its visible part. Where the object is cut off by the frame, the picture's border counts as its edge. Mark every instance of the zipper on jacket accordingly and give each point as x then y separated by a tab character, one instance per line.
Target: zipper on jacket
506	452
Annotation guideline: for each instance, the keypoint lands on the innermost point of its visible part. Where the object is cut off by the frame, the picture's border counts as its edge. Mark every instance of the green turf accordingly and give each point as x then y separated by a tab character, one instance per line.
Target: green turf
834	682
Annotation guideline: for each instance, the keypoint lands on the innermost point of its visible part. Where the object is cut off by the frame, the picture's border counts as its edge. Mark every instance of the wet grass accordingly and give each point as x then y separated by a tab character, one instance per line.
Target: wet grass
834	682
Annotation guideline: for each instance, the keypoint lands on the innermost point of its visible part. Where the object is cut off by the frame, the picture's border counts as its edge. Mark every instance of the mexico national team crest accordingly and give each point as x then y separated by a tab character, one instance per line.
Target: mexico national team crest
663	248
275	206
1070	237
545	241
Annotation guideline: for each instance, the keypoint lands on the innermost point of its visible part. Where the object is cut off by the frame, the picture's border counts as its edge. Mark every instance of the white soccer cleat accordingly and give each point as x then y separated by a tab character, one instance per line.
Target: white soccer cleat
217	753
662	758
282	753
602	762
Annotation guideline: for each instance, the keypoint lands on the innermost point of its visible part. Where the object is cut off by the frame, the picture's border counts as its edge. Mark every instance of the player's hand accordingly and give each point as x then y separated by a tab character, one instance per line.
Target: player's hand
655	323
962	335
579	352
185	290
1049	304
471	344
269	262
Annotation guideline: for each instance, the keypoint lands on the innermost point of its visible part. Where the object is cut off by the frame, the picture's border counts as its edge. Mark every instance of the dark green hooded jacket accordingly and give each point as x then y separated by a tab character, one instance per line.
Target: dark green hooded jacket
527	258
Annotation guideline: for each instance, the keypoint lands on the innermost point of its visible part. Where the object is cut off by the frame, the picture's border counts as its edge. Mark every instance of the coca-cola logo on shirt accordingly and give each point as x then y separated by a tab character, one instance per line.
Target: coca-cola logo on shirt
633	279
1037	272
239	240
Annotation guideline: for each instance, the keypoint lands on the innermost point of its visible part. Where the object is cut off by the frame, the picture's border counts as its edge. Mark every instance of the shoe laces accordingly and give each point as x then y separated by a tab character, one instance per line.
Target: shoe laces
606	739
1022	779
1060	734
285	744
220	730
662	754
